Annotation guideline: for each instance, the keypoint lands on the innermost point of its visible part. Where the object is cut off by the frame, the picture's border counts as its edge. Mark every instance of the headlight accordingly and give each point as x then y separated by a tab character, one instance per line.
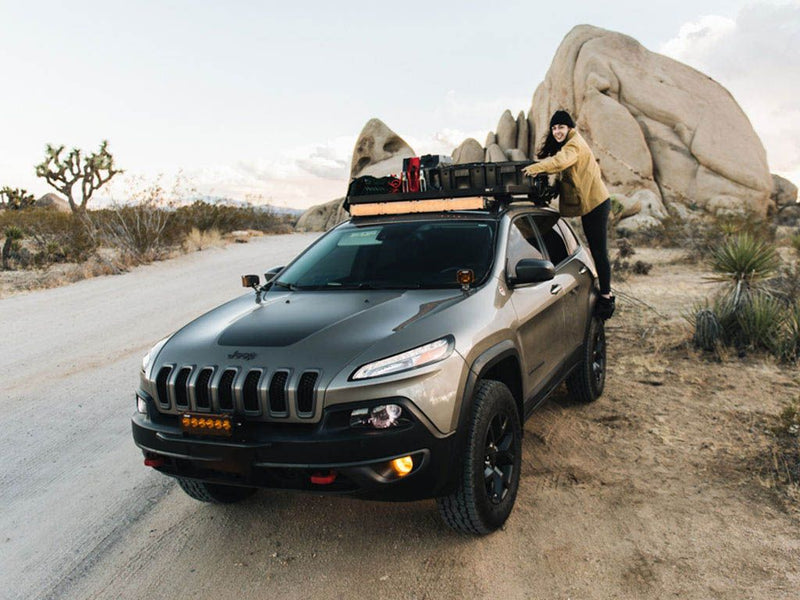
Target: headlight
410	359
147	360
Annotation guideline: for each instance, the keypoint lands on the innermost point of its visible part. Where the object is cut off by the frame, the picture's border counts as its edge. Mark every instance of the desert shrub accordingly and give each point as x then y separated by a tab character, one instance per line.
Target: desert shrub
52	236
748	313
789	343
138	230
796	241
11	244
198	239
760	322
206	216
699	236
744	259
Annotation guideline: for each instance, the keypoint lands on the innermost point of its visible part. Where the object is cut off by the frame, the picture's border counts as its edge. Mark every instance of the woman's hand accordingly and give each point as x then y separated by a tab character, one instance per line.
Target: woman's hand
531	170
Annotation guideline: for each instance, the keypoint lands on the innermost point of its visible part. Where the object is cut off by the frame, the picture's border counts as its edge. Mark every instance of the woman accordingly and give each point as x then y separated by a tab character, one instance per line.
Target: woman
582	194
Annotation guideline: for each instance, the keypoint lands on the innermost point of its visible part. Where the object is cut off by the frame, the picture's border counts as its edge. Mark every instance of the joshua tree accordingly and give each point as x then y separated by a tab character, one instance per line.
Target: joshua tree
92	171
16	198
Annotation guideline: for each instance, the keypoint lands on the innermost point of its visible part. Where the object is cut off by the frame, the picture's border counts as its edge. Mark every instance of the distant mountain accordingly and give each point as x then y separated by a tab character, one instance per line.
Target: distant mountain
278	210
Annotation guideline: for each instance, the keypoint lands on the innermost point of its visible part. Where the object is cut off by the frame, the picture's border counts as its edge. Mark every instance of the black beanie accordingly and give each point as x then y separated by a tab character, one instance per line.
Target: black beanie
561	117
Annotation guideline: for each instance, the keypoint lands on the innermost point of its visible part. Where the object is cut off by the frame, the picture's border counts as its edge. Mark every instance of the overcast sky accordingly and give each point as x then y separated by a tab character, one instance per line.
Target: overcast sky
266	99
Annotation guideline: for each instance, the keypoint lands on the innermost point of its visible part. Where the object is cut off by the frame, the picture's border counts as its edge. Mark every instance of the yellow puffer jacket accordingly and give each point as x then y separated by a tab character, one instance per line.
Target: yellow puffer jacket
582	189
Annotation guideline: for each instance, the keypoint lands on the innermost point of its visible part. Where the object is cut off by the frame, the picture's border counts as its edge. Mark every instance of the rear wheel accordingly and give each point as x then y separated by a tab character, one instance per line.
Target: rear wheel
587	381
217	493
490	471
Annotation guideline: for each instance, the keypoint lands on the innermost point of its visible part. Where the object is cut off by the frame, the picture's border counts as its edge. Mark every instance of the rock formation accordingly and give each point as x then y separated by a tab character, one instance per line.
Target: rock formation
322	216
53	202
469	151
667	137
655	124
379	151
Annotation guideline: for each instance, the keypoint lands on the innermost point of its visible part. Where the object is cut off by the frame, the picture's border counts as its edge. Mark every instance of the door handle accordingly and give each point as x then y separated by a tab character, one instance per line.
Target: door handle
555	288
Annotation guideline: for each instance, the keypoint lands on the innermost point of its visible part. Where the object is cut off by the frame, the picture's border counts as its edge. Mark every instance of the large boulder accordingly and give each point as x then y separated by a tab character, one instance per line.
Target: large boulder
322	217
655	123
494	153
523	135
53	202
784	192
507	131
379	151
469	151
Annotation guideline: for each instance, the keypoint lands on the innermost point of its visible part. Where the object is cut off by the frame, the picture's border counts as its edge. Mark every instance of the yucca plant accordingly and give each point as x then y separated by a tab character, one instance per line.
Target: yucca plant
760	319
790	343
743	258
13	234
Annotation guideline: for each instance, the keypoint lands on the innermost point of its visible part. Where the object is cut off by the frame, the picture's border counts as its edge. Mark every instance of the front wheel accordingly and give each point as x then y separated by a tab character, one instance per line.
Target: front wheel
216	493
587	381
490	470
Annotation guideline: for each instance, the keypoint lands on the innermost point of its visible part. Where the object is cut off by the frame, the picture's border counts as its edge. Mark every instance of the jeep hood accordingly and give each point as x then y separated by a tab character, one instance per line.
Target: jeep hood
328	325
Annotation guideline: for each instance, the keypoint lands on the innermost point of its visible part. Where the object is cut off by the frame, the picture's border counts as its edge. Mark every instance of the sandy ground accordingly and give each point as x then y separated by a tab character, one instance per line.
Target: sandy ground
660	489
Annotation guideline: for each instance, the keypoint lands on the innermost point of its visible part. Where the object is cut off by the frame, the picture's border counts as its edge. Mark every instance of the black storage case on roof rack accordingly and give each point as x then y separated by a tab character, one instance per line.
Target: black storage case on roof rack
459	181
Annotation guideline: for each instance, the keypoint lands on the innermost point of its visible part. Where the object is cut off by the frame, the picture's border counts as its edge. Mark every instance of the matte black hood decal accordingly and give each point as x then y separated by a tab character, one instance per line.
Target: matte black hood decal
287	322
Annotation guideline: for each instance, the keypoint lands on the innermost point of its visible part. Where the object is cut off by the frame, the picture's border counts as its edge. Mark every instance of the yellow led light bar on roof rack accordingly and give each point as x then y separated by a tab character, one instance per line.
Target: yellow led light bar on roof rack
446	187
403	207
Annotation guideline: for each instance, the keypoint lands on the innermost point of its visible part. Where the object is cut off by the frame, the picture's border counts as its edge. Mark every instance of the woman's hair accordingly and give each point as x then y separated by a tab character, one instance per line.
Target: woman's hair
550	146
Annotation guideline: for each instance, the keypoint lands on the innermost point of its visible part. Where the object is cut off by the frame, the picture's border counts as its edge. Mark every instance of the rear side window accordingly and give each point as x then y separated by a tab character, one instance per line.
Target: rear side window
569	237
553	239
522	242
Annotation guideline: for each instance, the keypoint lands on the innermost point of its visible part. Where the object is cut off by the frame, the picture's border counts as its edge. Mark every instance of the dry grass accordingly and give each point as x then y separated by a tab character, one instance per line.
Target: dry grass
197	240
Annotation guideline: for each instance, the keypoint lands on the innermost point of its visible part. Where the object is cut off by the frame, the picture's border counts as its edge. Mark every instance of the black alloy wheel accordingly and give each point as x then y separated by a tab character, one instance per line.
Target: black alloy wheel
490	469
498	462
588	379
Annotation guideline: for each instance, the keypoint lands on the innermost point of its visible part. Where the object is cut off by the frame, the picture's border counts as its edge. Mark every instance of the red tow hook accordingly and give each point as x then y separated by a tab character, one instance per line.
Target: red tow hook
323	478
153	460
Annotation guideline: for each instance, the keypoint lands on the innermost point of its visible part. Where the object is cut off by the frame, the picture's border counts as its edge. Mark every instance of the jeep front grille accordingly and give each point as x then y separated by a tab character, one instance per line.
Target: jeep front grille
278	395
181	388
305	393
203	389
250	397
161	386
226	393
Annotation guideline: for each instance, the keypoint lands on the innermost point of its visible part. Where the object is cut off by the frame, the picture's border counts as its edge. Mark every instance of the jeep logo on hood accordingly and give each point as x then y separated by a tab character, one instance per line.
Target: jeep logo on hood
242	355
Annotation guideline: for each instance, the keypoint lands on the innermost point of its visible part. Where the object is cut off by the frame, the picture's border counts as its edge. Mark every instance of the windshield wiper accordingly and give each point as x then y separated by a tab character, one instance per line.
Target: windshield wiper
289	286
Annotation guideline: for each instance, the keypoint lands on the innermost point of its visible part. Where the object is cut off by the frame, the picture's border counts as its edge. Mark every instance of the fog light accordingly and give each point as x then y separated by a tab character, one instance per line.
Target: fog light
402	466
141	405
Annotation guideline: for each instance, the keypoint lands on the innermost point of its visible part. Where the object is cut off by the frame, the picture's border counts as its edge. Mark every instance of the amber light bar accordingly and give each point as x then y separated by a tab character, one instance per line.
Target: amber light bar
404	207
206	424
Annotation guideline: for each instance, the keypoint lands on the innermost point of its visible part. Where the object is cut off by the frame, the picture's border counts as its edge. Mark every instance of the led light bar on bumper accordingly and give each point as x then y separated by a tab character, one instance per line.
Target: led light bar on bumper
405	361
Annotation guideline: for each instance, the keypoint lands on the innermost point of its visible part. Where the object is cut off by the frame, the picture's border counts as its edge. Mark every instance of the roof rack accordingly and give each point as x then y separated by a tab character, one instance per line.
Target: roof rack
471	186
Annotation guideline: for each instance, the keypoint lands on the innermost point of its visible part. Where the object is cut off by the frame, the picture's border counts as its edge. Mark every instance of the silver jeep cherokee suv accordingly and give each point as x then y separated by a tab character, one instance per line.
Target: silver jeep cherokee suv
396	358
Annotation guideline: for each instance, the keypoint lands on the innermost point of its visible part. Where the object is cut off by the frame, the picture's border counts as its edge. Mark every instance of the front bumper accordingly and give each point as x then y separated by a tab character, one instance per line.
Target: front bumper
326	457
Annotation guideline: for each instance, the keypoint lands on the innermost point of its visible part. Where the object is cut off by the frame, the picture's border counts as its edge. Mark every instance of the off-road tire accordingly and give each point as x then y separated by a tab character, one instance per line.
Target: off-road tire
586	382
216	493
491	465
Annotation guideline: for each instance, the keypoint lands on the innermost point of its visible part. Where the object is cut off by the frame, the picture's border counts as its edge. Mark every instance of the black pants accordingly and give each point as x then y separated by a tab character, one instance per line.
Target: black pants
595	226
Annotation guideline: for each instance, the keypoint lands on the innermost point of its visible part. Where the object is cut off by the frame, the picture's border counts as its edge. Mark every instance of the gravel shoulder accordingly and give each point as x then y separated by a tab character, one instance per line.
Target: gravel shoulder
661	488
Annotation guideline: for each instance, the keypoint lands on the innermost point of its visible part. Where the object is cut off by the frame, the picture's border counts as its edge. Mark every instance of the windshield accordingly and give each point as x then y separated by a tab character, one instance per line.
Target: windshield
407	255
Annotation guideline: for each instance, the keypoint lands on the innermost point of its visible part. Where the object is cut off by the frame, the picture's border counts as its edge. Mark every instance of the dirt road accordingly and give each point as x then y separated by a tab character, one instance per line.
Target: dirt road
657	490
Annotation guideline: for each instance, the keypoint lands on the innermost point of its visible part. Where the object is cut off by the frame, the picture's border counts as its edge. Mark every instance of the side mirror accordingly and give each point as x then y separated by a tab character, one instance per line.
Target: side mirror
250	281
270	275
532	270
